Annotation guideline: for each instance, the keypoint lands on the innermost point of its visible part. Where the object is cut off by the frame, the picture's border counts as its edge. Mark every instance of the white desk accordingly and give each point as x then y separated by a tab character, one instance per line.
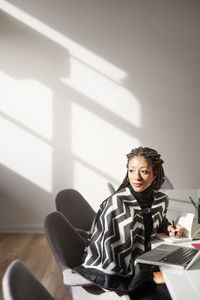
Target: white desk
183	284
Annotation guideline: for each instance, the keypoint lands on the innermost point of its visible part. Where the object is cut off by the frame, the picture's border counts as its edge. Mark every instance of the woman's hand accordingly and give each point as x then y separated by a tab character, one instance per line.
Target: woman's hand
158	278
175	232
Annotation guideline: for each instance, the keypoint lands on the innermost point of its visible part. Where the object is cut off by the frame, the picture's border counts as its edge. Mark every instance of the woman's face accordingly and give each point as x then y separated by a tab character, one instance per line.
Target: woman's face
140	173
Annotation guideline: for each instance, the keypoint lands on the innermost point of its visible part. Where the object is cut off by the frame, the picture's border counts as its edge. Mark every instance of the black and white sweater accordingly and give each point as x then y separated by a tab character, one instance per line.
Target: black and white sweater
117	239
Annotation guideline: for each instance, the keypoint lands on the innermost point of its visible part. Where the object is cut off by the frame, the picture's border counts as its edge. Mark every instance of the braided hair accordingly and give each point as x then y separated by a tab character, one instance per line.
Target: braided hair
154	158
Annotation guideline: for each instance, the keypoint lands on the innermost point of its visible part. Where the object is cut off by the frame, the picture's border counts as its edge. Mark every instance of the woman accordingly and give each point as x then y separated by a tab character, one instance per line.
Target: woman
124	227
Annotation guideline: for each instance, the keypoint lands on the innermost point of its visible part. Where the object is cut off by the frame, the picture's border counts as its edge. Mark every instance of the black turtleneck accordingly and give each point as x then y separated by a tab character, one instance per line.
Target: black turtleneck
145	200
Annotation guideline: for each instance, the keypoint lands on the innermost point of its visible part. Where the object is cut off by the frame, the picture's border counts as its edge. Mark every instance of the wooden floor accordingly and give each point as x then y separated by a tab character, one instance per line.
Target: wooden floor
33	250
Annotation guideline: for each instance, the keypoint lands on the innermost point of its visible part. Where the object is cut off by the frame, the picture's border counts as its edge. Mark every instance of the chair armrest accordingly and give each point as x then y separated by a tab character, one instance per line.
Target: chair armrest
74	279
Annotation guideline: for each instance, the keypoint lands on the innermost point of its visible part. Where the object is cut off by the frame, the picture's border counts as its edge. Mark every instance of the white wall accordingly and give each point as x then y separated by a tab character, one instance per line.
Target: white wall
84	82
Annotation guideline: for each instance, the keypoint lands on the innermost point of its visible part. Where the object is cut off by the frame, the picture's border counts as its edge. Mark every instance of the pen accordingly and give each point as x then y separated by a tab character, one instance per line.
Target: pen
174	226
192	201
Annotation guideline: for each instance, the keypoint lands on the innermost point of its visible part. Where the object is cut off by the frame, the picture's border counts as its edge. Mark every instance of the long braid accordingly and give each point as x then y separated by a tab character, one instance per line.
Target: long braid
154	158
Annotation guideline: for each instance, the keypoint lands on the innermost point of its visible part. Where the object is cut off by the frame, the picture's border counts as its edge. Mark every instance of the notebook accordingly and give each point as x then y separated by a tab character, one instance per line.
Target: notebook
170	256
191	229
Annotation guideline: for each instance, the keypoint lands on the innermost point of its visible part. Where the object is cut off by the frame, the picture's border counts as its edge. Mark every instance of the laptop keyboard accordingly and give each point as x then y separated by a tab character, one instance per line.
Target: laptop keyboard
179	256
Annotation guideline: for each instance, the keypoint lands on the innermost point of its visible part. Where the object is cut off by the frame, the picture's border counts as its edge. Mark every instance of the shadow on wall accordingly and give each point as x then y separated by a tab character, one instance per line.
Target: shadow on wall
31	74
23	204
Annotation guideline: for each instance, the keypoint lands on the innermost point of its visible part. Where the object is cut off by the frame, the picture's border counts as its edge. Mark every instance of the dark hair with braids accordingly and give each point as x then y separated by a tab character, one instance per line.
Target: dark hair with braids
154	158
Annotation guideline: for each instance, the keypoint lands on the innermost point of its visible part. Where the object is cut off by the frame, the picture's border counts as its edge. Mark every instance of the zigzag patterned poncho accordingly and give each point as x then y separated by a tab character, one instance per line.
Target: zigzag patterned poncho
117	238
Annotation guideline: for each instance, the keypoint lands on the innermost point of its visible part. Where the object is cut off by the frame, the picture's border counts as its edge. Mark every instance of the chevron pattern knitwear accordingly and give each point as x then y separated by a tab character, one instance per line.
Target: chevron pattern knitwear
118	238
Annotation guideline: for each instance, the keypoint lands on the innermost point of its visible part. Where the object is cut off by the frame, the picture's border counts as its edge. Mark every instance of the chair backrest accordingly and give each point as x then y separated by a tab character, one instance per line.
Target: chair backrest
75	208
20	284
110	187
65	242
167	185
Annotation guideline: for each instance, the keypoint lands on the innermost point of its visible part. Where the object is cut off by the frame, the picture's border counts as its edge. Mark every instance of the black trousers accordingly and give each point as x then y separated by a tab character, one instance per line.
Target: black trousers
151	291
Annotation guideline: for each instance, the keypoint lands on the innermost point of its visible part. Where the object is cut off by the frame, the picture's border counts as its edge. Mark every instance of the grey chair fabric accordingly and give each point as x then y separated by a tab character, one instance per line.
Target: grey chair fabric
75	208
67	246
20	284
65	242
110	187
167	185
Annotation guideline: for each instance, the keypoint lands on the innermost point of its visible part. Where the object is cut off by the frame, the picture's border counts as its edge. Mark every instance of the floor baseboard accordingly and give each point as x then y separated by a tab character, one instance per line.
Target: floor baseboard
22	229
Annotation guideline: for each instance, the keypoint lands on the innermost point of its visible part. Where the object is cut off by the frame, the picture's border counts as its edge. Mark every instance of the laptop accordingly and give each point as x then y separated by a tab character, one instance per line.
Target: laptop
170	256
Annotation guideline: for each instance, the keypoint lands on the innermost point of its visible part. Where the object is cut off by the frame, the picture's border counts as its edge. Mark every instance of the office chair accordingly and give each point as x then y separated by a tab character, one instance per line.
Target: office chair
75	208
167	185
20	284
110	187
67	246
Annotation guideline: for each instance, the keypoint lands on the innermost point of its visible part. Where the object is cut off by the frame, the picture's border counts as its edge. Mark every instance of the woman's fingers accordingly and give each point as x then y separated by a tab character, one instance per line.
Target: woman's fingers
175	232
179	230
